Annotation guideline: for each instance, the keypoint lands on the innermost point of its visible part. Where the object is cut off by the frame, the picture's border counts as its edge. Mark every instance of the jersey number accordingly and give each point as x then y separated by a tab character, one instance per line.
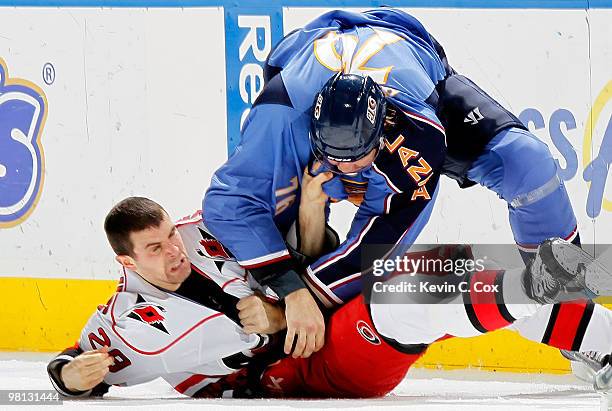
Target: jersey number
121	361
353	60
283	200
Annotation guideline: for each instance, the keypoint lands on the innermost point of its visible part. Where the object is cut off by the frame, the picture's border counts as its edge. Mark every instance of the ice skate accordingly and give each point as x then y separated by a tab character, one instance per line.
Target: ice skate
586	364
602	381
562	271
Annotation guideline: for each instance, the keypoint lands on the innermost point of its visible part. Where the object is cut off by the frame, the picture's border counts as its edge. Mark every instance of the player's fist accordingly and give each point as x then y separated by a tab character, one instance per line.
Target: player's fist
86	370
304	323
312	186
259	316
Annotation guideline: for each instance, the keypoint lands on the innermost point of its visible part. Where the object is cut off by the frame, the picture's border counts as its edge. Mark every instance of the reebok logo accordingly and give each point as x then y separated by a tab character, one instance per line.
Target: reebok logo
473	117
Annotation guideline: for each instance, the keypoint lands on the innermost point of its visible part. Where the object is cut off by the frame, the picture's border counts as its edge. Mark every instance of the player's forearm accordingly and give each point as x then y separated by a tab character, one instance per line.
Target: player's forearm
312	229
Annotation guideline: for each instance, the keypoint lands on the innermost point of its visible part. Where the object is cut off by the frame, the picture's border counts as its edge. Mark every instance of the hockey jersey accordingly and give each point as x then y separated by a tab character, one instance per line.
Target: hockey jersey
190	337
253	198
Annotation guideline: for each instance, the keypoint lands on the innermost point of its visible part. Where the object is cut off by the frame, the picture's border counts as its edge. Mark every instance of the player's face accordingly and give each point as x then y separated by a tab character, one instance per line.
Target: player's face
160	256
352	167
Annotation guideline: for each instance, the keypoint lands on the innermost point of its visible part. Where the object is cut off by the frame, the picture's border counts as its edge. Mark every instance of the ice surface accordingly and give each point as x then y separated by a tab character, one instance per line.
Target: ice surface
421	390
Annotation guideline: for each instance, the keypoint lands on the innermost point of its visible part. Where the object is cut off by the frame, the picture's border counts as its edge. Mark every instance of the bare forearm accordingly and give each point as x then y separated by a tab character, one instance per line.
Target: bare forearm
312	229
312	212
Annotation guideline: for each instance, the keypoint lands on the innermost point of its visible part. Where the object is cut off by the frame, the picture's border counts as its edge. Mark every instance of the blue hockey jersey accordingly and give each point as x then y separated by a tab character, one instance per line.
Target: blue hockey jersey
253	198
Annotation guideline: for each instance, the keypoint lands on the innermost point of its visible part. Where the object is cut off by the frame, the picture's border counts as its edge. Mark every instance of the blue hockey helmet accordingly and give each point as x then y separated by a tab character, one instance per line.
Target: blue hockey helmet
347	119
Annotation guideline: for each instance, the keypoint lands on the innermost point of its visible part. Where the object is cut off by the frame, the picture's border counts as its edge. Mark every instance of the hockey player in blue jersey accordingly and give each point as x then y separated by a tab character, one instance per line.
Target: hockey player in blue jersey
375	95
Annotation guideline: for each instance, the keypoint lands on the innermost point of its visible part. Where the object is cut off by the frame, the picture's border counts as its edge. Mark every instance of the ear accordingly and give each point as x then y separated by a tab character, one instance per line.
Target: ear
126	261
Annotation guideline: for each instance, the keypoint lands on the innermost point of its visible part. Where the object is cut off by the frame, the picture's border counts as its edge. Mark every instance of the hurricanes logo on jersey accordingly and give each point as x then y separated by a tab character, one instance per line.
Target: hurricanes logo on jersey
366	332
149	314
211	247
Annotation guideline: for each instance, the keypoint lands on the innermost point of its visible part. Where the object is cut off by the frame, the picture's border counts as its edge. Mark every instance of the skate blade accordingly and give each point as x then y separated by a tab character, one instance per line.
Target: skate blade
596	277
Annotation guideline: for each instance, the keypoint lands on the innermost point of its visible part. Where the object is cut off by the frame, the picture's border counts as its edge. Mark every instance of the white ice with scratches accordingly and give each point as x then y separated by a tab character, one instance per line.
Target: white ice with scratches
422	390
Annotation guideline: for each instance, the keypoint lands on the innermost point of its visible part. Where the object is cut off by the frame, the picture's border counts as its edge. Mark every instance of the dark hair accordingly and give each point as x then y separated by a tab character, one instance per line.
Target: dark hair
130	215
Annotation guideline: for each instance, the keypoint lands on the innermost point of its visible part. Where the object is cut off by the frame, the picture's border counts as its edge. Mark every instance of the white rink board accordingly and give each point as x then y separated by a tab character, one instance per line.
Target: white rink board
138	107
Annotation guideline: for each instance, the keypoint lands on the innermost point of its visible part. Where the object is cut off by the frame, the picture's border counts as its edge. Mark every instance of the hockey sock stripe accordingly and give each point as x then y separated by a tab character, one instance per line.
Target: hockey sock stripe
484	306
551	323
563	325
499	298
582	327
487	301
469	309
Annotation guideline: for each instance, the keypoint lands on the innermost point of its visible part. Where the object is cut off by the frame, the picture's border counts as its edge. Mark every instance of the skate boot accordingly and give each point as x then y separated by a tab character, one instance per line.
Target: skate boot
602	381
562	271
586	364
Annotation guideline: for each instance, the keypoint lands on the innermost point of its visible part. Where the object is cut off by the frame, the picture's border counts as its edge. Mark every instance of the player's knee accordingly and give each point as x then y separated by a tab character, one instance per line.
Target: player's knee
528	164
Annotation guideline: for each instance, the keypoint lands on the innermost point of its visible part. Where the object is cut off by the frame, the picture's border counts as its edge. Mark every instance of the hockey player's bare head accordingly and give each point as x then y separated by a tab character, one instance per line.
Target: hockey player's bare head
147	242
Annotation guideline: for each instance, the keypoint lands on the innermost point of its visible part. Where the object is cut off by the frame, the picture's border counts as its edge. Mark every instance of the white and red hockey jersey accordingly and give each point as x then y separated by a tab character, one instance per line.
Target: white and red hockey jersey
190	337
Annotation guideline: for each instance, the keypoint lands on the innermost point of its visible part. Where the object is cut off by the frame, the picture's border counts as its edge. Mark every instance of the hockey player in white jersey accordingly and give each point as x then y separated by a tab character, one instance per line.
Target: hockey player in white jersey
182	321
174	314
